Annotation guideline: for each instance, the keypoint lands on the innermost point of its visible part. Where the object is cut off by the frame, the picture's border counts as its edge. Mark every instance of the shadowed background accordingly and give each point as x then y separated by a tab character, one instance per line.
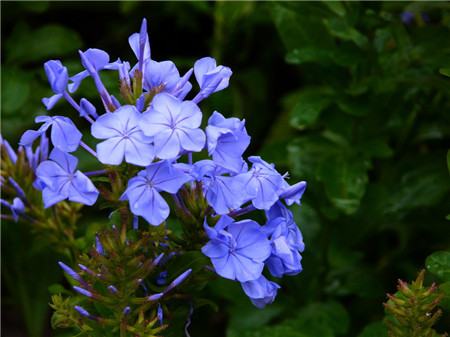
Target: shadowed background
352	97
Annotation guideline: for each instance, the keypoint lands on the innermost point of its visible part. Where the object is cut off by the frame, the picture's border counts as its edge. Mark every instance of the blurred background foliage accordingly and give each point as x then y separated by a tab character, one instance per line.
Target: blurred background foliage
351	96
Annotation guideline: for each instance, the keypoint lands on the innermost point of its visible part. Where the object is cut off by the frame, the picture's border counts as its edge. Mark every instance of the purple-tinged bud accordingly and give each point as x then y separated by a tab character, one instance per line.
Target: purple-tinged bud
140	103
83	312
86	269
112	289
9	150
69	271
57	75
124	73
407	17
160	314
18	205
142	41
86	63
155	297
83	291
162	278
18	189
126	310
87	108
158	259
43	148
98	246
178	280
135	222
116	102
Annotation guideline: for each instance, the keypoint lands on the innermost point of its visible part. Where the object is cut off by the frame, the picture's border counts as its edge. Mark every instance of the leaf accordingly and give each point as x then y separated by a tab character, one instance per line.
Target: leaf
336	7
311	103
445	71
438	263
330	314
344	174
376	329
340	28
37	45
16	90
247	317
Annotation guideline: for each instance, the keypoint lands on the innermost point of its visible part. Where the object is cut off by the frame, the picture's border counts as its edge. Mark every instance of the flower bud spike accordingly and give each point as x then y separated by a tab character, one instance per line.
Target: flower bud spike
142	40
83	291
126	311
155	297
158	259
69	271
98	246
135	222
86	269
84	312
112	289
9	150
178	280
160	314
19	190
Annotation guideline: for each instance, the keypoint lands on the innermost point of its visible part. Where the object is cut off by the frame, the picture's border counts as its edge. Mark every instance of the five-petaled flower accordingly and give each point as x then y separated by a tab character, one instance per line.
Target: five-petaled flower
143	190
62	180
174	125
124	138
64	135
237	249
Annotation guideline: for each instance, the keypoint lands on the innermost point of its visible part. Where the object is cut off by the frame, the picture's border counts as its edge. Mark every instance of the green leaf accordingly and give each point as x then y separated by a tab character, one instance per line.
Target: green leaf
445	71
37	45
340	28
336	7
376	329
331	315
16	90
343	173
311	103
438	263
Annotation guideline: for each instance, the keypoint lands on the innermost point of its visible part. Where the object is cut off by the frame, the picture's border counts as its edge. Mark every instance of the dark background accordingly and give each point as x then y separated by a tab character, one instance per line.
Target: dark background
345	95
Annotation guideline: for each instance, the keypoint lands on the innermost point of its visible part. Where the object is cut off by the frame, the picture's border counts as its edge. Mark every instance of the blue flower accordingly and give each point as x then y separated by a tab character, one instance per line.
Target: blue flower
63	181
262	183
17	207
140	44
143	190
227	139
292	194
99	59
58	78
237	249
260	291
174	125
57	75
284	237
124	138
223	193
210	77
87	109
294	236
164	77
64	135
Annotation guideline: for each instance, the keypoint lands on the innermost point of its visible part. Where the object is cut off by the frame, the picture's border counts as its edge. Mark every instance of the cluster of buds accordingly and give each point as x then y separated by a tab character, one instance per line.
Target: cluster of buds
412	311
22	200
119	287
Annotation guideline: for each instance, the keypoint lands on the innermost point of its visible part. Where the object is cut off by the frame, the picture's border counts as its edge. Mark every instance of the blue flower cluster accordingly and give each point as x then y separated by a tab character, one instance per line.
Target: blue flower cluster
156	128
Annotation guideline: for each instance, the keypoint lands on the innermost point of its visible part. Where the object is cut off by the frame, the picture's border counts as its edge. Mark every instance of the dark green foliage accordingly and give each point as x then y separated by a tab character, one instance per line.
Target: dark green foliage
341	94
